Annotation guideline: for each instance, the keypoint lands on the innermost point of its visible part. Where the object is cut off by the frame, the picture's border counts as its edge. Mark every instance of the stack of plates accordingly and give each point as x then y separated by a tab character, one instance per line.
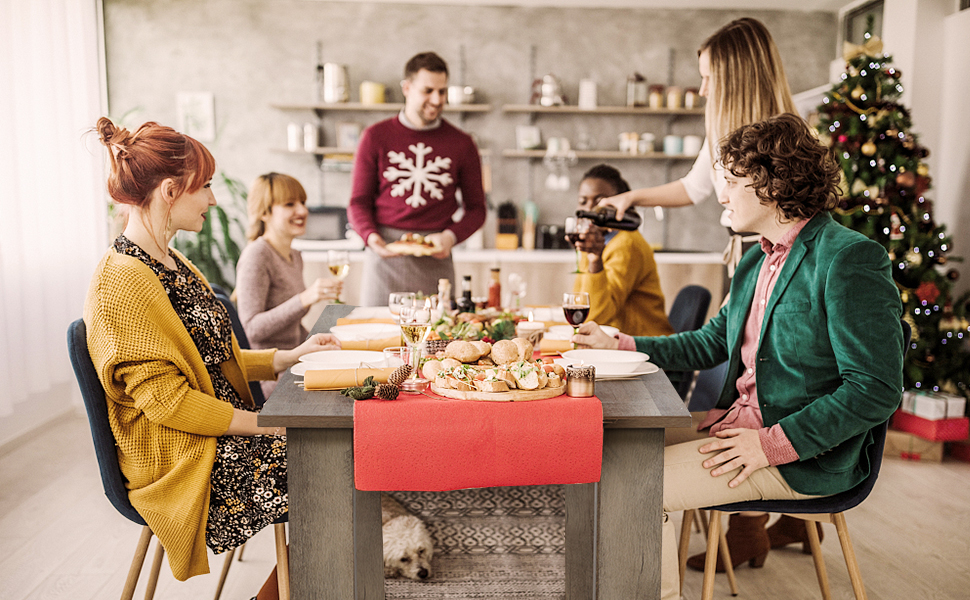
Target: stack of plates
610	364
337	359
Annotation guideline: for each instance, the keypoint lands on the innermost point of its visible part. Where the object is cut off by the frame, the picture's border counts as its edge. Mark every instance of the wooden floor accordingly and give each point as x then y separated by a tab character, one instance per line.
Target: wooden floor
60	538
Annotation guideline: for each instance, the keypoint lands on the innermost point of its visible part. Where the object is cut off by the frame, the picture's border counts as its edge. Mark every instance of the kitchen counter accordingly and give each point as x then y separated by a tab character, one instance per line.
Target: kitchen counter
547	273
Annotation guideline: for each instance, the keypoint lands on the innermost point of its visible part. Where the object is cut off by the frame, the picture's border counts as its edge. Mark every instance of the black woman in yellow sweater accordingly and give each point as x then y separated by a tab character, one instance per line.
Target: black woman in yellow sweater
200	471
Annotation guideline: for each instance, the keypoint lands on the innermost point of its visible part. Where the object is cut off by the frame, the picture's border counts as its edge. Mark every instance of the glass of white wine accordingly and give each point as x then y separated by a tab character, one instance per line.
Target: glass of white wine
416	321
339	262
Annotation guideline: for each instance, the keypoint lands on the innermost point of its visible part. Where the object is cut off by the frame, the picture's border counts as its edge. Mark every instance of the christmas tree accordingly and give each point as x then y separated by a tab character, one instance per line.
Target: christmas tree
885	198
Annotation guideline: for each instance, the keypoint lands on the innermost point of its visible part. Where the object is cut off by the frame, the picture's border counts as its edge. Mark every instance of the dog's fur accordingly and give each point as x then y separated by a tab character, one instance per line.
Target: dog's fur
408	547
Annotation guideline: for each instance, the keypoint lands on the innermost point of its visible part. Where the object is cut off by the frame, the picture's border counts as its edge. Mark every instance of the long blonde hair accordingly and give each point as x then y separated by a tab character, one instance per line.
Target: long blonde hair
747	82
268	190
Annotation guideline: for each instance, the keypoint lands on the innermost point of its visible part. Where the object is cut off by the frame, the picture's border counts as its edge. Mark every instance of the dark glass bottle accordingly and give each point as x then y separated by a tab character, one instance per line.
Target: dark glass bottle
465	303
605	216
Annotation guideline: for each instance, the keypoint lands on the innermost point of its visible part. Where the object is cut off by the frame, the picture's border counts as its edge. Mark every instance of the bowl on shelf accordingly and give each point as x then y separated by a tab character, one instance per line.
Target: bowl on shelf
613	361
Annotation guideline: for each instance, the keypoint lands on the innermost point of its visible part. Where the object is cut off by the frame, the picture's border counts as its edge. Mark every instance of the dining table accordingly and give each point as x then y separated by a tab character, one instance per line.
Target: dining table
612	527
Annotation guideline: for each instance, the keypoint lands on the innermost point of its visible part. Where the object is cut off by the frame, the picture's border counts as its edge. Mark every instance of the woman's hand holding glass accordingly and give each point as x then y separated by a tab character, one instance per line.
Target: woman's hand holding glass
339	263
321	289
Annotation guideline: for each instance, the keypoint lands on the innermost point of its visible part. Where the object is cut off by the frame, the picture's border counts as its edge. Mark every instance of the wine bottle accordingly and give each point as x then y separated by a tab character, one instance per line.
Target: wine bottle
605	216
465	303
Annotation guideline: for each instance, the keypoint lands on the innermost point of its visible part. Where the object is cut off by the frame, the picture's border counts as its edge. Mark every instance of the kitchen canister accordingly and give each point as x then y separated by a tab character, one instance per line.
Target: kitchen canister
294	137
646	143
656	96
675	97
673	145
336	87
692	144
587	94
692	98
311	137
372	92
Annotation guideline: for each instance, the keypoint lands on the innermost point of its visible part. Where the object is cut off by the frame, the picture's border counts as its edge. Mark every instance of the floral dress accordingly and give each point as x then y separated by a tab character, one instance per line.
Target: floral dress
248	482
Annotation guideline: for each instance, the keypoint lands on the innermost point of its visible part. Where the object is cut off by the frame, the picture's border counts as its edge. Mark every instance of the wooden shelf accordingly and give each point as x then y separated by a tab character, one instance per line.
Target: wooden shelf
329	150
599	110
599	155
388	107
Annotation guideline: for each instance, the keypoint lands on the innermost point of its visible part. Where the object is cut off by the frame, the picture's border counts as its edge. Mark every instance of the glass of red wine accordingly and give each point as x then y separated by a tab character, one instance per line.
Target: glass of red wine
576	308
575	228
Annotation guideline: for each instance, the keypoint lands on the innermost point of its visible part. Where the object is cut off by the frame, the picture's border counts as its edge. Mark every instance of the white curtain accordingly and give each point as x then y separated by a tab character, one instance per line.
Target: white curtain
52	203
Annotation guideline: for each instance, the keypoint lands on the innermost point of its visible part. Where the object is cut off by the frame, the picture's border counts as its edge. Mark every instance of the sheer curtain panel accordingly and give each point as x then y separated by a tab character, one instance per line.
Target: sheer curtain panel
52	203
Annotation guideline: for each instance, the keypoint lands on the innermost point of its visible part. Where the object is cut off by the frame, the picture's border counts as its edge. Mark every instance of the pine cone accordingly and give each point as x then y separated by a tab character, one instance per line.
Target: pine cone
386	391
399	375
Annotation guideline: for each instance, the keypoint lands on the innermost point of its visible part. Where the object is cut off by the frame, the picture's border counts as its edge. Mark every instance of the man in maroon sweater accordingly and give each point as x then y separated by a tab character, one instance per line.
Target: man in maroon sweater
409	173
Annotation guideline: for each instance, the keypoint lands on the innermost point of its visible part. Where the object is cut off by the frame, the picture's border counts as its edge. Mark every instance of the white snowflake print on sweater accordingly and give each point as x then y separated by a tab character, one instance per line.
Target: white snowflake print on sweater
417	176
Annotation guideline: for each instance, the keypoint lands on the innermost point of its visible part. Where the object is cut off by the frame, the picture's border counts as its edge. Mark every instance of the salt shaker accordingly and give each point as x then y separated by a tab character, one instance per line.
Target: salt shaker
580	380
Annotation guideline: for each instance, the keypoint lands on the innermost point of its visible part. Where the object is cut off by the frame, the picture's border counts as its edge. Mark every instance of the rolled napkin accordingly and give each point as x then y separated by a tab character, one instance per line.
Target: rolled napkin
338	379
376	345
547	346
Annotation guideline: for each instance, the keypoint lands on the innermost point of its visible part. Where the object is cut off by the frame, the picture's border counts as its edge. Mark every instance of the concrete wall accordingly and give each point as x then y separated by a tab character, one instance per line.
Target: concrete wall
252	53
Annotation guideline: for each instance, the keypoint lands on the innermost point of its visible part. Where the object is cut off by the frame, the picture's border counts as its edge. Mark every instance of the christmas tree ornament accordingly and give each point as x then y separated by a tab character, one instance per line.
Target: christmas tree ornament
868	148
913	258
906	179
922	170
857	92
927	292
896	231
953	275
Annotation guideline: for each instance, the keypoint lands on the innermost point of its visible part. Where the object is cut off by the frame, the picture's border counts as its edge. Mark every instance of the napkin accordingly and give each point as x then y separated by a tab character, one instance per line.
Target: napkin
547	346
428	443
338	379
376	345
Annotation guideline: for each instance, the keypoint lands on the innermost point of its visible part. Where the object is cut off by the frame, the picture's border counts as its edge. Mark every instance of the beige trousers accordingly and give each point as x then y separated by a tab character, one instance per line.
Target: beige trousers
687	484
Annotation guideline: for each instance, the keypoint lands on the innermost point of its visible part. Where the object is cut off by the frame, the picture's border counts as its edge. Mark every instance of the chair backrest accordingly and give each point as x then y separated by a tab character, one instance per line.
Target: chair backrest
96	406
707	388
689	310
254	388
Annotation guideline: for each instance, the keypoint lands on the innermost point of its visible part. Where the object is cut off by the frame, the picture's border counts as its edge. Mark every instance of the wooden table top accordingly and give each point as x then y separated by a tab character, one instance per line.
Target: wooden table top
649	401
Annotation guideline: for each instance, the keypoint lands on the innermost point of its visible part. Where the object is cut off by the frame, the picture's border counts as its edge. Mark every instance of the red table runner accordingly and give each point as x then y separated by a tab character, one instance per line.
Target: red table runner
421	443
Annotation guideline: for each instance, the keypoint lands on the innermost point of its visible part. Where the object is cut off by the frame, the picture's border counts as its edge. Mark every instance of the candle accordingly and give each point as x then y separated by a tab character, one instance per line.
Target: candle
580	381
530	330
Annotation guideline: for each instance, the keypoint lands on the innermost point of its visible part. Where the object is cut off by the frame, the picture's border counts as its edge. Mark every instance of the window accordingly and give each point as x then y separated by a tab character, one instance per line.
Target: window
856	23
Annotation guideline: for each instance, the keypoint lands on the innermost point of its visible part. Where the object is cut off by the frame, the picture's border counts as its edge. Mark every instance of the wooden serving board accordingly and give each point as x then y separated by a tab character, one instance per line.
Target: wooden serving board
409	249
509	396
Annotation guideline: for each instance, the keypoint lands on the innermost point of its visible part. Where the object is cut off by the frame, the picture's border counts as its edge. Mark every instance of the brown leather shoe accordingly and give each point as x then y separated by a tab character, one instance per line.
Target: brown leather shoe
789	530
747	540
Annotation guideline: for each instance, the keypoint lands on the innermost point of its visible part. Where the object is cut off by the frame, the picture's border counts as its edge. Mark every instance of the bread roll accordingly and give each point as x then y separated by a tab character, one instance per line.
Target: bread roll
449	363
430	369
465	352
492	386
504	352
484	347
525	348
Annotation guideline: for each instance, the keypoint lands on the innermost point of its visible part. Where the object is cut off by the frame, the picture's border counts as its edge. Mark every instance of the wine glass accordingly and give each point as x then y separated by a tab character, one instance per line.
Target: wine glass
575	228
576	308
396	301
416	321
339	262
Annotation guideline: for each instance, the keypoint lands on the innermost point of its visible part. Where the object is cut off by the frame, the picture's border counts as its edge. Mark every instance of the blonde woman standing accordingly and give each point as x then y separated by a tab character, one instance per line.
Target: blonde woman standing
270	292
744	81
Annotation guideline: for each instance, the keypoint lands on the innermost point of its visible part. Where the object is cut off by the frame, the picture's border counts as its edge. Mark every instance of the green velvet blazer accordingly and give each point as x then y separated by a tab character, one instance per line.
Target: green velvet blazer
830	356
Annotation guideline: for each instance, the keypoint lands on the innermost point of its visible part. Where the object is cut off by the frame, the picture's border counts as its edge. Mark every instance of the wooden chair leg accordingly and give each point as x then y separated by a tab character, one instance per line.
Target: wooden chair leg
225	571
726	559
156	568
682	547
241	549
702	517
282	561
700	524
141	550
855	576
816	546
710	560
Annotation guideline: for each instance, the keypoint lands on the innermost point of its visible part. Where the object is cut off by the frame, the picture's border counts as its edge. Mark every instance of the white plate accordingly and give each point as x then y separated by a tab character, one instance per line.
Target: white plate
357	332
644	369
609	361
564	332
343	357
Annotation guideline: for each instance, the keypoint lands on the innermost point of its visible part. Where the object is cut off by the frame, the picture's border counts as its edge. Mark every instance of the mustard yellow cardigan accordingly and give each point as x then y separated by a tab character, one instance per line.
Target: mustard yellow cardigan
161	403
626	293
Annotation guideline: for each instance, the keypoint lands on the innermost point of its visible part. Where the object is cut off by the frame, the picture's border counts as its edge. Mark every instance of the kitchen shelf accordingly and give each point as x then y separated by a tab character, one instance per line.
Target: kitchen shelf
330	150
599	155
599	110
386	107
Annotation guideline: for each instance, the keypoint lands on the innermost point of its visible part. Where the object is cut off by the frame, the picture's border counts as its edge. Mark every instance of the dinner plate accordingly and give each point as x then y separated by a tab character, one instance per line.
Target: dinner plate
605	374
343	357
564	332
365	331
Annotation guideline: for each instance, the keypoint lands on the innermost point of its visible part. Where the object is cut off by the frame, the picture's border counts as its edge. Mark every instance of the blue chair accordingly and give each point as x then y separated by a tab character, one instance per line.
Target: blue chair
829	509
113	481
237	328
688	312
104	448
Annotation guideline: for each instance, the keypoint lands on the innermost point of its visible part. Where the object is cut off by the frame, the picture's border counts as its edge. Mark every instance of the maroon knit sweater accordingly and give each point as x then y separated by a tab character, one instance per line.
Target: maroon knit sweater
407	179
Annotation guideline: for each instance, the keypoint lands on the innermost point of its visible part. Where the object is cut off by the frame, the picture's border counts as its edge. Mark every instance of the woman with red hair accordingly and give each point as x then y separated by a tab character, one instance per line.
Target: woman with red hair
199	469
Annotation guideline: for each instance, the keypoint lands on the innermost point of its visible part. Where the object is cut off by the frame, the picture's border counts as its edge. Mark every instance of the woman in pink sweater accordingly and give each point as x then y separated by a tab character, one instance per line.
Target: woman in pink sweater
270	292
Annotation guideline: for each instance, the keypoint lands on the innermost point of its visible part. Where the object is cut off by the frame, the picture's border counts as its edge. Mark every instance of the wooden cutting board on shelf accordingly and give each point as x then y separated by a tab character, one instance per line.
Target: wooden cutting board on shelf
509	396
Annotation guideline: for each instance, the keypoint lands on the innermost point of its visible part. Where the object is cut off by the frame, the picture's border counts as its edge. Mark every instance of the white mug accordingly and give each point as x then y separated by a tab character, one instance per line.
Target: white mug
673	145
692	144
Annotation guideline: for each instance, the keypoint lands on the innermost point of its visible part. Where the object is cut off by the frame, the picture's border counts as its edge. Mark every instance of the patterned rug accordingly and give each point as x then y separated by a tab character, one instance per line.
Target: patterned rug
490	543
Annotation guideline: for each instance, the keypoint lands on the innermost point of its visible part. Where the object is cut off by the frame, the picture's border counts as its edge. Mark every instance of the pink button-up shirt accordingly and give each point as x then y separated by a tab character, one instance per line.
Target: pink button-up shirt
745	412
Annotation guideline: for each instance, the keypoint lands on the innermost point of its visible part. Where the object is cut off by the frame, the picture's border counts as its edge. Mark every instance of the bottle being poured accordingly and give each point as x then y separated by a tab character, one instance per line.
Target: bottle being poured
605	217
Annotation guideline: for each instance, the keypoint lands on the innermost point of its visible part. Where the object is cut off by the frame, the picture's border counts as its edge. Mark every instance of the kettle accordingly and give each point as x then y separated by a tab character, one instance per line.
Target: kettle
548	91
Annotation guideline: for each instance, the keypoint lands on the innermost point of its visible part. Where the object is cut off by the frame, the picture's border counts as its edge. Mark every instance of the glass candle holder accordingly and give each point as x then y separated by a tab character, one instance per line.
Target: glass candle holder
580	381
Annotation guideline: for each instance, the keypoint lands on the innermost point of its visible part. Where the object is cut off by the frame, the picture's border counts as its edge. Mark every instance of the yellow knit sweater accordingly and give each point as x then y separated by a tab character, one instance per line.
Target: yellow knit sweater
626	293
161	403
